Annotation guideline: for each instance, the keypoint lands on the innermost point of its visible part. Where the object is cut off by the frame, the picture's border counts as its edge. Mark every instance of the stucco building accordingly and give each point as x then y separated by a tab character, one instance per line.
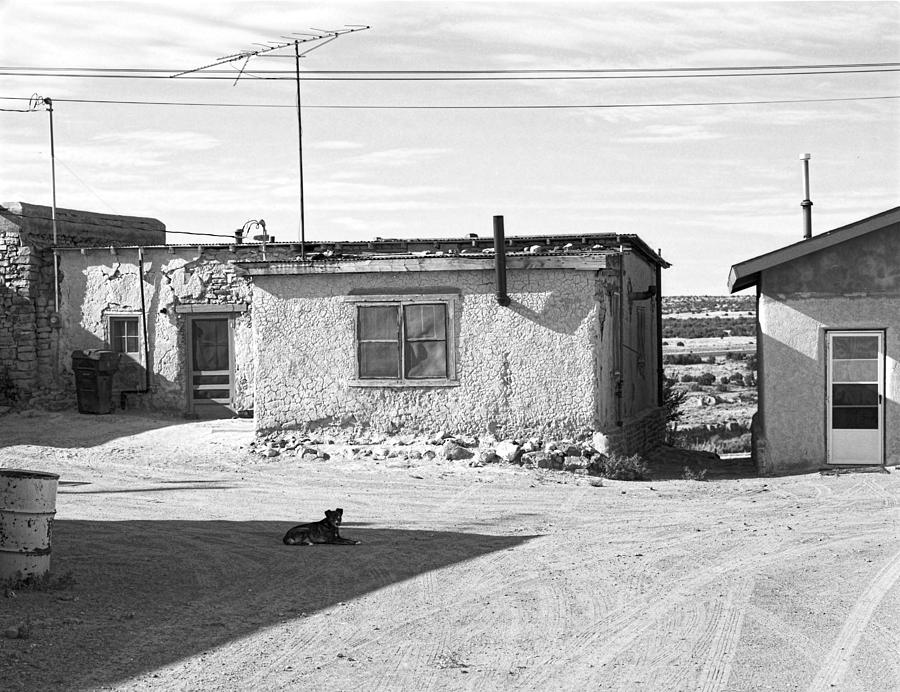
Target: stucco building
388	335
828	344
29	327
424	339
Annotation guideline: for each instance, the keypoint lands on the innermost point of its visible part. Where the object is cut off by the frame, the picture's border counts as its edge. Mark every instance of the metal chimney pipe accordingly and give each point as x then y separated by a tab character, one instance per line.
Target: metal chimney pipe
500	261
806	204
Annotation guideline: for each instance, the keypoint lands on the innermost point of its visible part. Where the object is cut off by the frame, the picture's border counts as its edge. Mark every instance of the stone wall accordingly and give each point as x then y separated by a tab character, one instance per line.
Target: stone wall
29	348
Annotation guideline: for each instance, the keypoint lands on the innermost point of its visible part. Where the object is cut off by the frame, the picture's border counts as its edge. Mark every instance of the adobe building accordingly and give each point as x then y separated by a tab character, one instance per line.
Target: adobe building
387	335
29	349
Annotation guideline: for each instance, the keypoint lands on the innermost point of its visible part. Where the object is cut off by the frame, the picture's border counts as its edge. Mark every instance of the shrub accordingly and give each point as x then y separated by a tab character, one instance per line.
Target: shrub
682	359
751	362
688	377
749	380
619	468
706	379
689	474
736	378
724	379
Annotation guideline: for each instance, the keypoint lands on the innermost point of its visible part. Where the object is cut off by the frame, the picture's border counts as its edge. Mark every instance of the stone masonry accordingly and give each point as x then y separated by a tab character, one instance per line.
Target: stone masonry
28	343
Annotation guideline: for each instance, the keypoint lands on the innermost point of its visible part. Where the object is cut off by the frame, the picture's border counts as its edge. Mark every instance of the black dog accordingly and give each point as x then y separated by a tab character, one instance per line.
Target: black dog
324	531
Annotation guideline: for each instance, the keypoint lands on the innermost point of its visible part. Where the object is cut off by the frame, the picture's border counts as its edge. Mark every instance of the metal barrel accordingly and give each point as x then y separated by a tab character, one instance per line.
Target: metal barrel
27	506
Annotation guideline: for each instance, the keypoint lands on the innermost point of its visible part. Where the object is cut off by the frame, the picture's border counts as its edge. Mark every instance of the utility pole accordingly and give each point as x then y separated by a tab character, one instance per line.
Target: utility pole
300	152
34	103
296	38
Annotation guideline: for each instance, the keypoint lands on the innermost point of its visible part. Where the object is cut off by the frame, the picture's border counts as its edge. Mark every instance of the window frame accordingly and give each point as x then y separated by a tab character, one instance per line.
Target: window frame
399	302
113	317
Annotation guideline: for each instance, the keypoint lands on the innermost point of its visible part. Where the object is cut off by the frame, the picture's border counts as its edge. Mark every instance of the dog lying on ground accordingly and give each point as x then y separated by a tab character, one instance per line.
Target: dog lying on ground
325	531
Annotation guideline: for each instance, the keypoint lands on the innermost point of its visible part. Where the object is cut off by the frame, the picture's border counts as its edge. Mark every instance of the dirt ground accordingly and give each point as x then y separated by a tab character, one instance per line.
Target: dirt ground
491	578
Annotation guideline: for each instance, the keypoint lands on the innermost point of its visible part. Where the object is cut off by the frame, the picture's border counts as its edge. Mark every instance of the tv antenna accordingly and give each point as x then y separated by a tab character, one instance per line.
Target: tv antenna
320	38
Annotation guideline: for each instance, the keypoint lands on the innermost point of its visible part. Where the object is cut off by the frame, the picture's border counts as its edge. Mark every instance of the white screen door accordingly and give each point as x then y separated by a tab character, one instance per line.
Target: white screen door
855	397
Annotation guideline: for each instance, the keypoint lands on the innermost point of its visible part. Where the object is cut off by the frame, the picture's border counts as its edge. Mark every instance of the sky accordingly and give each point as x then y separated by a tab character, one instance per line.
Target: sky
707	185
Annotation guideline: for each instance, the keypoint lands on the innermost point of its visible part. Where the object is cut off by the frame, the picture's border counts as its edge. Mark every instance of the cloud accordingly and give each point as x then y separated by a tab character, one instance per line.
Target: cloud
160	140
662	134
336	145
401	156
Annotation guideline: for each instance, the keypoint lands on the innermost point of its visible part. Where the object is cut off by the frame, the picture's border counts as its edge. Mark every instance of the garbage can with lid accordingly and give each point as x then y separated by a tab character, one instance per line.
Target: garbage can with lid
94	370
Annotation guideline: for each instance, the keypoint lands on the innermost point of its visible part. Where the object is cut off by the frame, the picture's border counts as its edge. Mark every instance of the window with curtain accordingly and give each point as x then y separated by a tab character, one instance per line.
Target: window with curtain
403	341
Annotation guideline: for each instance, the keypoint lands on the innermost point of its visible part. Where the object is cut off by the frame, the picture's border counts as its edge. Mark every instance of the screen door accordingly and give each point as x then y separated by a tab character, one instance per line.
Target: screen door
855	397
210	359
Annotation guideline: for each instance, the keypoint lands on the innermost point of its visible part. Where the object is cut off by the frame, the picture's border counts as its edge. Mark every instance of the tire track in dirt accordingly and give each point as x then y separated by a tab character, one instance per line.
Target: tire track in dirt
831	675
420	661
717	668
618	632
413	654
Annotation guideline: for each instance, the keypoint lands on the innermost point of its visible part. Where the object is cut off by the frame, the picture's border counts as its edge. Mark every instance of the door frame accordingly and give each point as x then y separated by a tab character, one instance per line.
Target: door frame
192	403
882	385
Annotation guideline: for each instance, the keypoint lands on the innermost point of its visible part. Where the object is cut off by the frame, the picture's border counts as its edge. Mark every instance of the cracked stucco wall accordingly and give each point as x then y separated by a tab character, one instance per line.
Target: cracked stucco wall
536	367
98	284
29	344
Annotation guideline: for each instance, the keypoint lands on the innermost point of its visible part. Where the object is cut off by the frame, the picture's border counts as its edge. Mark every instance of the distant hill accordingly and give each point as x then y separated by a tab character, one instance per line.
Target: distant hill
700	305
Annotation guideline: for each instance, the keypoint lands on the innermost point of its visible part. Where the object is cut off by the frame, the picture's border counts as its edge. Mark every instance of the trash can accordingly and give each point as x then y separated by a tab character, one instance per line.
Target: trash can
27	506
94	370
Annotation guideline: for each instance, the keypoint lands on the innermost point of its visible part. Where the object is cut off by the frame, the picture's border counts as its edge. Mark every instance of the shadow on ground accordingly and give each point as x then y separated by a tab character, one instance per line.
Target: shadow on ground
70	429
150	593
669	463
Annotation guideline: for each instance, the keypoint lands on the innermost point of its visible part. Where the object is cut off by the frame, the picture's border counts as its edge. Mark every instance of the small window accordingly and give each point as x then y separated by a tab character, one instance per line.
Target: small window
123	335
404	342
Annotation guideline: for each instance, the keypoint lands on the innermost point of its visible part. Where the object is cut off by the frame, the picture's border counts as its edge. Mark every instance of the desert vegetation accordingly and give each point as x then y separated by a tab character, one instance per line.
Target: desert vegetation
711	396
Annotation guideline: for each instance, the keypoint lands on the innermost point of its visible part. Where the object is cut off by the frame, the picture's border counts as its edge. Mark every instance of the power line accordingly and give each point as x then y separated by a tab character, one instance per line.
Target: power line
552	106
230	76
608	70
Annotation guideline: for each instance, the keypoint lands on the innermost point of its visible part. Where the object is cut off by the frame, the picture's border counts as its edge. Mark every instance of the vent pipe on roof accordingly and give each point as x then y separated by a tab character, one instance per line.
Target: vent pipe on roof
500	261
806	204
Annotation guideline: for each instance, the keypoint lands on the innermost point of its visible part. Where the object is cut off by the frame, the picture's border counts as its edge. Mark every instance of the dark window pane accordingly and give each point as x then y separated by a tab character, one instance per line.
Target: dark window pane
425	321
854	394
210	344
426	359
855	347
855	418
377	322
211	394
210	379
379	359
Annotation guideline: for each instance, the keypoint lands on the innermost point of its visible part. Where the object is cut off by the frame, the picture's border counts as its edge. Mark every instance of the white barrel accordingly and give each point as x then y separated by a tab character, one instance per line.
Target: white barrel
27	506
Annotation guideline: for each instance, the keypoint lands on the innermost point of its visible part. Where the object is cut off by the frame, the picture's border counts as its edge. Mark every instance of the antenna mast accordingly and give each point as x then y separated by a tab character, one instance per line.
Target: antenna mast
320	38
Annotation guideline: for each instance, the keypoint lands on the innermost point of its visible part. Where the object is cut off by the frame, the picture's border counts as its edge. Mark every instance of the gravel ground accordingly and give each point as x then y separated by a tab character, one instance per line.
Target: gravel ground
491	578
